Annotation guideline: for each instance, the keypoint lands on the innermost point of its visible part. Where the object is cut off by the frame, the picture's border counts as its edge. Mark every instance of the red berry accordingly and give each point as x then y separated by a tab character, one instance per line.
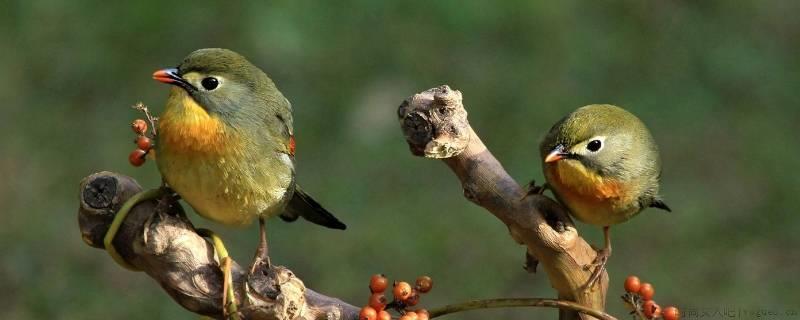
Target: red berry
144	143
377	301
378	283
383	315
671	313
424	284
367	313
632	284
651	309
139	126
422	314
411	315
402	290
136	158
647	291
413	299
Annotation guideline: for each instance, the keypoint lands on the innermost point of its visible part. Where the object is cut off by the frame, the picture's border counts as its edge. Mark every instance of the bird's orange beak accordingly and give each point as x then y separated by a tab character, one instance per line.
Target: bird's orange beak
167	75
171	76
558	153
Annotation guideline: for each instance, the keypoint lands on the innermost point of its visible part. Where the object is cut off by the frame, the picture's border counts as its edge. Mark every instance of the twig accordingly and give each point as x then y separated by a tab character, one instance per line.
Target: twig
518	302
150	118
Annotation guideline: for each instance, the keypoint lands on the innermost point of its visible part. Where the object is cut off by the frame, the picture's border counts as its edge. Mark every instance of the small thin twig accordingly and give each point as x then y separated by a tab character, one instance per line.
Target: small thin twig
519	302
150	118
635	304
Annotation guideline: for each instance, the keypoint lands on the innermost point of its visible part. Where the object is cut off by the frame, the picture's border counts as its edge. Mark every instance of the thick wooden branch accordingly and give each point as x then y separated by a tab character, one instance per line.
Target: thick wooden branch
435	126
157	238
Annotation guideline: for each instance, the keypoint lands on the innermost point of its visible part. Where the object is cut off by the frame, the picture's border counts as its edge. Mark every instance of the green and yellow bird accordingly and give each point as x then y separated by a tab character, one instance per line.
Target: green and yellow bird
602	163
226	145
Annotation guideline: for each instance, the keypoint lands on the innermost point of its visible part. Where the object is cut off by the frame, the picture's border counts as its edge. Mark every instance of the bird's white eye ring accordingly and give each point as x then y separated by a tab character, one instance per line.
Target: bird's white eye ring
594	145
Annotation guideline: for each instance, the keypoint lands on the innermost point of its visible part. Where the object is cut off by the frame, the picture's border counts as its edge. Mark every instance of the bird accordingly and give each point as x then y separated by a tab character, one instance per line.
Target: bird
602	163
225	144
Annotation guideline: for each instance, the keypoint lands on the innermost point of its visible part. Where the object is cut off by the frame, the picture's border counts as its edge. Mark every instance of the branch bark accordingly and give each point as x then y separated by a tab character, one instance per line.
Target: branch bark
157	238
435	125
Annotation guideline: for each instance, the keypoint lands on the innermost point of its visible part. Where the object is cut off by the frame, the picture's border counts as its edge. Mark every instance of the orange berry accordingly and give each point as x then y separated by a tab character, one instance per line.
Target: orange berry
632	284
422	314
383	315
144	143
136	158
377	301
671	313
647	291
367	313
424	284
139	126
410	315
402	290
378	283
651	309
413	299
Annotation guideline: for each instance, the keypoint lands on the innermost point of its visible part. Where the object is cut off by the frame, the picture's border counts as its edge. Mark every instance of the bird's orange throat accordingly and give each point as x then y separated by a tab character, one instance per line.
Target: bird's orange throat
570	176
186	128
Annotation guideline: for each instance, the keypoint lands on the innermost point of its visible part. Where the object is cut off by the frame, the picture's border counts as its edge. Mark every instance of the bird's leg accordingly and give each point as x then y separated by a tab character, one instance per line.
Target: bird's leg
229	307
119	218
532	188
600	260
262	252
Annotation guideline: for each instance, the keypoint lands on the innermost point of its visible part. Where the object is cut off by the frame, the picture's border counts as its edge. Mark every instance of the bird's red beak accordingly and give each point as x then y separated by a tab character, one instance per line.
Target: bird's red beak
557	154
167	75
172	76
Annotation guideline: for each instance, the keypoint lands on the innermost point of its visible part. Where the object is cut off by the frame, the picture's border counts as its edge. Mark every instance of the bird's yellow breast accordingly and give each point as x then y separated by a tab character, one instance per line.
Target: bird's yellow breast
590	197
206	163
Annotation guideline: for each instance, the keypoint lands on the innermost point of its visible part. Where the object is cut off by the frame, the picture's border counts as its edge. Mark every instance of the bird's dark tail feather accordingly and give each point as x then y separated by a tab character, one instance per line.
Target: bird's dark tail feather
302	205
660	204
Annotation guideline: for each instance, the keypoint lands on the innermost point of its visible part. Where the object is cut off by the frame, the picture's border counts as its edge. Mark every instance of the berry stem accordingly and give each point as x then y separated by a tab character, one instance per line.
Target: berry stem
637	308
518	302
150	118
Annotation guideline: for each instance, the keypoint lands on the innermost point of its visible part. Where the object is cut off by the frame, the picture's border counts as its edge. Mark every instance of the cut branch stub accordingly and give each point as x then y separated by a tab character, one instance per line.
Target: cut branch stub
434	123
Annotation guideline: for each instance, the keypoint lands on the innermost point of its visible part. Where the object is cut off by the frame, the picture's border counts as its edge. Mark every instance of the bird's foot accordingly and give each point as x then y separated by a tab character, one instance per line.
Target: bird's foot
599	265
260	262
262	251
534	189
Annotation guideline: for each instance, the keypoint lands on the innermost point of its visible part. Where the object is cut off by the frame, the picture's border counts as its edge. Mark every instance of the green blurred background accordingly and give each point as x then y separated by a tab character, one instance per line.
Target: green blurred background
716	81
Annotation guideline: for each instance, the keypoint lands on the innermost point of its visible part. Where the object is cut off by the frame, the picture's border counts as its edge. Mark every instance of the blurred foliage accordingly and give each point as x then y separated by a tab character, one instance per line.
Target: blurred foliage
716	81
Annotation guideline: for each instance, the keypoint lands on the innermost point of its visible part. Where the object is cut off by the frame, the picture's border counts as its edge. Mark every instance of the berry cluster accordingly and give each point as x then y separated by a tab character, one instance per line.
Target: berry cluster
639	297
143	143
404	296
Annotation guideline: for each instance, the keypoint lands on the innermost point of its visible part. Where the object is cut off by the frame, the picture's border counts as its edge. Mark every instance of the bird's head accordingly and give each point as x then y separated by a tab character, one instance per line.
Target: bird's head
605	139
223	83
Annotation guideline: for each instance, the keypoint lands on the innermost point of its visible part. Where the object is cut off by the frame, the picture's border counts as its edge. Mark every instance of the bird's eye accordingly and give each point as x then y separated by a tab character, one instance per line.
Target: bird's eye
594	145
210	83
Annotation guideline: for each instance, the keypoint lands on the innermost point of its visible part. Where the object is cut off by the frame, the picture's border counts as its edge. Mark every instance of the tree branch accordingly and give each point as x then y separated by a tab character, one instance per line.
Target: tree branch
435	126
157	238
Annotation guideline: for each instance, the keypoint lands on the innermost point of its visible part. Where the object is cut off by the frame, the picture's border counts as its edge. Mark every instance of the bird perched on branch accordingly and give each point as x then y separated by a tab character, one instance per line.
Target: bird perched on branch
226	144
601	162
